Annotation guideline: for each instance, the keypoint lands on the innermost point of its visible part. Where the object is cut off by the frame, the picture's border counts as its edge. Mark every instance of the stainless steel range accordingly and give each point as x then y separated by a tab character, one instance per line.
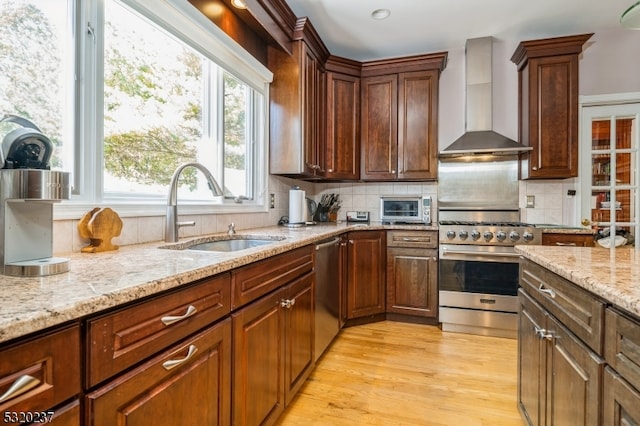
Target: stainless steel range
478	214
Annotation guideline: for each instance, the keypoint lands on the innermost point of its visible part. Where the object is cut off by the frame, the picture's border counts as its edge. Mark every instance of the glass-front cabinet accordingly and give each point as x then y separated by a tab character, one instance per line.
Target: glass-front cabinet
610	153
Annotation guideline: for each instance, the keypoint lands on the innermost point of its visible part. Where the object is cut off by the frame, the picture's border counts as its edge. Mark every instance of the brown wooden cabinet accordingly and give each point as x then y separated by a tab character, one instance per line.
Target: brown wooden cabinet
187	384
273	352
412	273
366	273
548	105
560	346
399	100
563	239
342	145
297	104
38	375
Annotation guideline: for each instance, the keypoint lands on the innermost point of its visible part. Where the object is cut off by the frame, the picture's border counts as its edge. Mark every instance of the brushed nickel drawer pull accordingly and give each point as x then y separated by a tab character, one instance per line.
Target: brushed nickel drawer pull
22	385
565	244
170	319
548	291
173	363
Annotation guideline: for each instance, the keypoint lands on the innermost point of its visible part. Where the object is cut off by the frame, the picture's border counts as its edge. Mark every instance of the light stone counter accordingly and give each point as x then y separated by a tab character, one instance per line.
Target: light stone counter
613	275
99	281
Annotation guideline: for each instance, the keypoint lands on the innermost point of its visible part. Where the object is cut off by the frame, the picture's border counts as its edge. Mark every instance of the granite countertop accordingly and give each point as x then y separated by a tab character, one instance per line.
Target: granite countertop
613	275
99	281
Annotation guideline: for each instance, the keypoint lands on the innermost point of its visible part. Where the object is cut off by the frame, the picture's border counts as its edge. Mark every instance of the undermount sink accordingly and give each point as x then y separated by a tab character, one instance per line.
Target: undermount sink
225	244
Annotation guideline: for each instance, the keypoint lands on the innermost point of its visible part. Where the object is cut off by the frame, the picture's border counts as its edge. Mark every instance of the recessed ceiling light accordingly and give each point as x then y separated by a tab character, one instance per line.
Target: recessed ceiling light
238	4
380	14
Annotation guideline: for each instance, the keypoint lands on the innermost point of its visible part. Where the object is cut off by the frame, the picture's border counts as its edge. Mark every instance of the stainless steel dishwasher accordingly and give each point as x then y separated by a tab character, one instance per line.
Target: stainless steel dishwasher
327	293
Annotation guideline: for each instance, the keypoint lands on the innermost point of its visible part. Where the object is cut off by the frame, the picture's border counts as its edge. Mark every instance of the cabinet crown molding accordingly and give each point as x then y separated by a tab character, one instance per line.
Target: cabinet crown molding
548	47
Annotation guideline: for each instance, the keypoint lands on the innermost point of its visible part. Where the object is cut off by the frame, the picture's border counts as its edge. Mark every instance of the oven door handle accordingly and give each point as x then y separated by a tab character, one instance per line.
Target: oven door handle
446	251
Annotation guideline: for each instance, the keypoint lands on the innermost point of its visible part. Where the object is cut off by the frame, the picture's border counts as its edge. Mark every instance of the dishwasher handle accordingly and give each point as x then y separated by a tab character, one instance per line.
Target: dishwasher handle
333	242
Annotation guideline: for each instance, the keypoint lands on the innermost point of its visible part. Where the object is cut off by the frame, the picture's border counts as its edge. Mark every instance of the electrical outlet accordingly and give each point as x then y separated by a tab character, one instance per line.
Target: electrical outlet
272	201
531	201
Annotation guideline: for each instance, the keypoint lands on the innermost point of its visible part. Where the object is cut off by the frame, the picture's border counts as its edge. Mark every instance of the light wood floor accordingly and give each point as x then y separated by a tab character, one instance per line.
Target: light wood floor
391	373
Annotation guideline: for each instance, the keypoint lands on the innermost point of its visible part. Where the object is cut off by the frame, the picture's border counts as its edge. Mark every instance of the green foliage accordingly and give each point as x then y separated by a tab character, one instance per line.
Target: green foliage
149	157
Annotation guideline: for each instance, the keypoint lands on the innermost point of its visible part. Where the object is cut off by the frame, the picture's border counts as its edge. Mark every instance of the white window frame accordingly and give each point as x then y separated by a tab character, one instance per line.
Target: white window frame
186	22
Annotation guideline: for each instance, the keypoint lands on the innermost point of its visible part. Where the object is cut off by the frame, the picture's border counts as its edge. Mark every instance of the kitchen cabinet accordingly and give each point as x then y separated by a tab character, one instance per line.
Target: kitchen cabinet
621	404
548	105
560	367
366	273
412	273
399	117
187	384
40	379
342	146
297	105
273	352
564	239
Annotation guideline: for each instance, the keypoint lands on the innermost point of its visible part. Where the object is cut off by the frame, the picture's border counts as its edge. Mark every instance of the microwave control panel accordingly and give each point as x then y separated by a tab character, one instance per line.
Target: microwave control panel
426	210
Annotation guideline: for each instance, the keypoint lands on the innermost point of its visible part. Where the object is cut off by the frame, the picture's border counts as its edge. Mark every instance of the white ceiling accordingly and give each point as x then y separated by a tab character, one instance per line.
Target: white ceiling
426	26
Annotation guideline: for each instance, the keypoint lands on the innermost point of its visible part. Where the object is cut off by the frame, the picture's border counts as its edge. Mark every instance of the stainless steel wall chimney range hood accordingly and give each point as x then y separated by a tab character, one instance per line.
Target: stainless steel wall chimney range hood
479	137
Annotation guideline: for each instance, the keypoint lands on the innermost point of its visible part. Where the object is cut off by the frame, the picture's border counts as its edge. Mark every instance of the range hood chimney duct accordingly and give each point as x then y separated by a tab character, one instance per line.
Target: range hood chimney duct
479	137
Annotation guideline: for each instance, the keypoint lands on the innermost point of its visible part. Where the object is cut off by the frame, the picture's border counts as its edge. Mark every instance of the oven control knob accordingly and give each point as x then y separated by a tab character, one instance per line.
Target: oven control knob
501	235
514	236
475	235
488	235
527	236
463	235
451	235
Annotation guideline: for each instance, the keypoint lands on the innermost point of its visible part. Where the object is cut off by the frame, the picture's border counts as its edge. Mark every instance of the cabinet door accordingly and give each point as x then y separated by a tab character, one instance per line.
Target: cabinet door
417	125
188	384
311	115
366	275
343	127
299	333
412	286
258	360
379	127
621	405
531	361
574	379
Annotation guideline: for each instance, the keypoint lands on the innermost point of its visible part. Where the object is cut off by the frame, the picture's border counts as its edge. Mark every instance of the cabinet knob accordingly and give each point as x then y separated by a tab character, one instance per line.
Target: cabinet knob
534	168
330	170
585	222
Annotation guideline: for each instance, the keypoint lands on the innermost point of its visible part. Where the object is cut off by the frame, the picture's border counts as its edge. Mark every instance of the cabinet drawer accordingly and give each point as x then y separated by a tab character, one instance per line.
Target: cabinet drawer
577	309
48	367
412	239
121	339
252	281
573	240
188	384
622	345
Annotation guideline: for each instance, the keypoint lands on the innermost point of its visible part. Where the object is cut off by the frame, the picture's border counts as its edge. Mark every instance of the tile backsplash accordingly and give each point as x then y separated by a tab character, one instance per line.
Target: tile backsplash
552	206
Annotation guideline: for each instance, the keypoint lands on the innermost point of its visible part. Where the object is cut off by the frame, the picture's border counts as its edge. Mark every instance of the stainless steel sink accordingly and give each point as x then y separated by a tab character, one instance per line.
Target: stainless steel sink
225	244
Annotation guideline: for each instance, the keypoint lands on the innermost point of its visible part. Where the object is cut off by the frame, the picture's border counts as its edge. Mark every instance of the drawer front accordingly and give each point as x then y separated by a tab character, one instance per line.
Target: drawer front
43	372
412	239
121	339
250	282
573	240
577	309
622	345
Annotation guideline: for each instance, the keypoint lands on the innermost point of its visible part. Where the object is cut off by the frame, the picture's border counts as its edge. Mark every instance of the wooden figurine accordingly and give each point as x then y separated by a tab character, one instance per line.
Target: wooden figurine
99	226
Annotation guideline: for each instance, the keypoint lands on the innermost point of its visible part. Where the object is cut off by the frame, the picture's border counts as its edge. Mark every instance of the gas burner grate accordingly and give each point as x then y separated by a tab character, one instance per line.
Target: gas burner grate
490	223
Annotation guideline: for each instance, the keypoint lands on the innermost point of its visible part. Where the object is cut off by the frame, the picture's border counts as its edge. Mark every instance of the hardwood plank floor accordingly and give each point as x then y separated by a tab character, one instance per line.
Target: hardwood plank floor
391	373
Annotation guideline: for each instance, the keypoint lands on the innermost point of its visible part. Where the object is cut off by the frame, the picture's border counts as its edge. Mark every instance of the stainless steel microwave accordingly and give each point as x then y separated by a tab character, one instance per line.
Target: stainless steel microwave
405	209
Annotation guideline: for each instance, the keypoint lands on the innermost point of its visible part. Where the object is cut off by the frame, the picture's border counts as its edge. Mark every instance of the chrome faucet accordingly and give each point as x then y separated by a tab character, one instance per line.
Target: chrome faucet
172	225
232	229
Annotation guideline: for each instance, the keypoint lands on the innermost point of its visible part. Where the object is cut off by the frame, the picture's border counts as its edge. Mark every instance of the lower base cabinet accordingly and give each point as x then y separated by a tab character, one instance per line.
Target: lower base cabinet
621	404
559	377
366	273
188	384
273	352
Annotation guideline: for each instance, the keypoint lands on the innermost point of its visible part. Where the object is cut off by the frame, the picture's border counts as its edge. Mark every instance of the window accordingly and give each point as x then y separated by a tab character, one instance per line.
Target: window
157	85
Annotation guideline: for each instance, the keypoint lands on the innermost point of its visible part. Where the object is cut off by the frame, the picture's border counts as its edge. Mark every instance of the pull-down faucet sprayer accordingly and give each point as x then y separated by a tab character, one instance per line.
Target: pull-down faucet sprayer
172	225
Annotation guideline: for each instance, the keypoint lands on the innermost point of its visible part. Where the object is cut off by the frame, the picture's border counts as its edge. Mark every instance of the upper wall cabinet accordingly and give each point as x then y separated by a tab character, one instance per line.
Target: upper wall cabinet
342	143
399	117
548	105
297	105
